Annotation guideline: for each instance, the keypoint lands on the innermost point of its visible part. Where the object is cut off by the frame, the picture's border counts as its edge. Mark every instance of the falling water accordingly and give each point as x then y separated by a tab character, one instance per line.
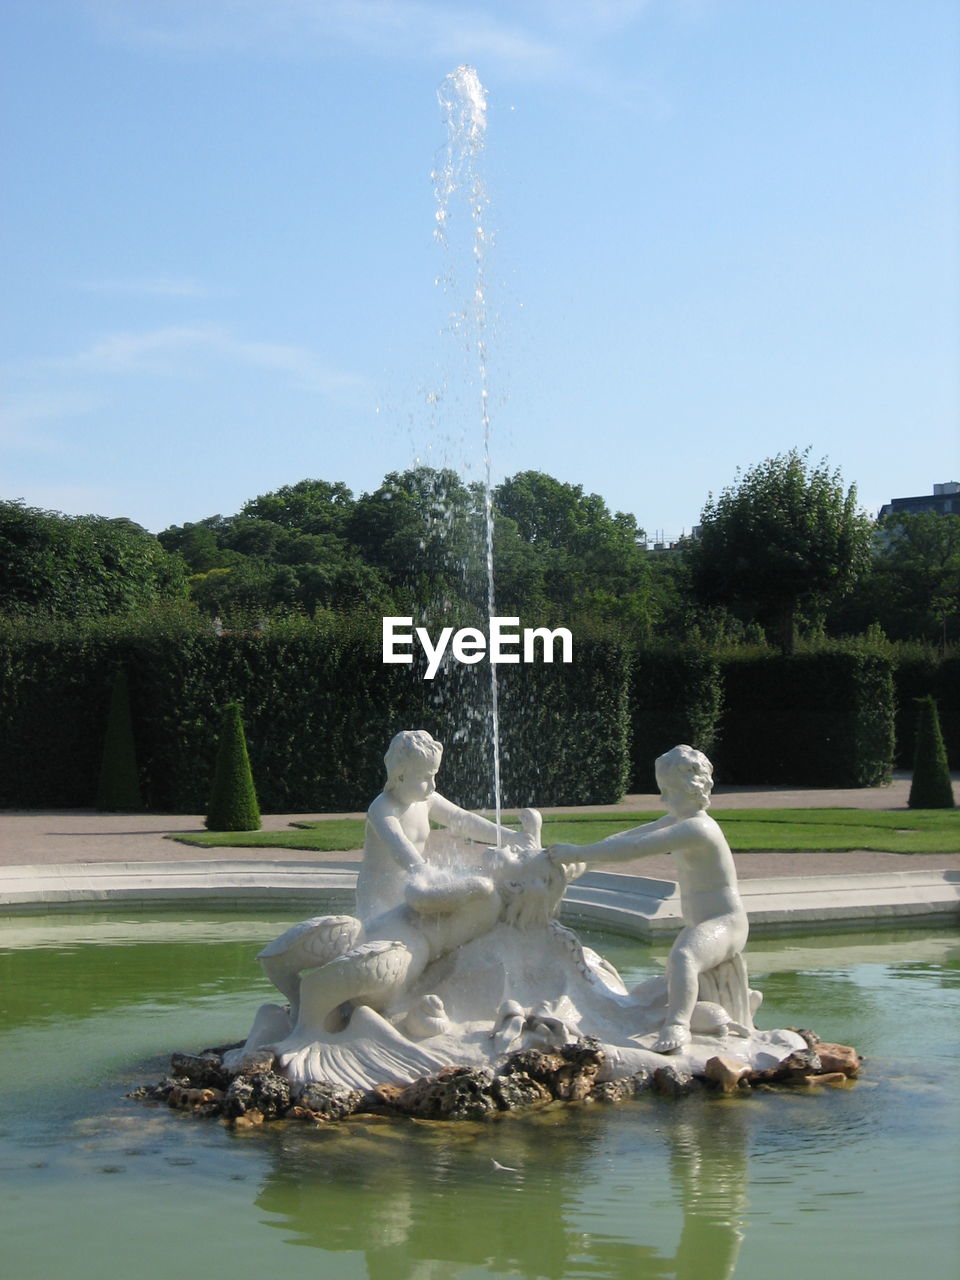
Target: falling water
463	101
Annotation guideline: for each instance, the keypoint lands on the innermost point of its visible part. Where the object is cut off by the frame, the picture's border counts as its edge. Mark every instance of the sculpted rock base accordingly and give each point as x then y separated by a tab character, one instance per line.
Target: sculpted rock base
528	1079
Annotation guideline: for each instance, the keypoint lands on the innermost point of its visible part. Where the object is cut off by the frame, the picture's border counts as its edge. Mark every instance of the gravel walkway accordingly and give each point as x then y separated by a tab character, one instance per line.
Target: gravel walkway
32	838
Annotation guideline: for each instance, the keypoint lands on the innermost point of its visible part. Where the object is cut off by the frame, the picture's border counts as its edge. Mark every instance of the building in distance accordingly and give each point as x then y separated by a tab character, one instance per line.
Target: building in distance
945	500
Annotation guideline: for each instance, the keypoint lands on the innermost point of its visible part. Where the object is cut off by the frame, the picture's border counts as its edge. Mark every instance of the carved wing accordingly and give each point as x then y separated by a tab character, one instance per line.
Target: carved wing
313	942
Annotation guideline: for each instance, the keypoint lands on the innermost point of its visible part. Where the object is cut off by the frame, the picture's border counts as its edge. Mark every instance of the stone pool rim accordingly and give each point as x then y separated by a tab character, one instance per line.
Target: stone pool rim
635	906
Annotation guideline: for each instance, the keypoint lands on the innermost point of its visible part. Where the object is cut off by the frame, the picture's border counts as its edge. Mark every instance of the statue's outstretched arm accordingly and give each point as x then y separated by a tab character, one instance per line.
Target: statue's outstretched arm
638	842
471	826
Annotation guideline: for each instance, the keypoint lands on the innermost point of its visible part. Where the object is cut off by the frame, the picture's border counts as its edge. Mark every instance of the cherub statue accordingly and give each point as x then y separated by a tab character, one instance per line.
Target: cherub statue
705	961
410	910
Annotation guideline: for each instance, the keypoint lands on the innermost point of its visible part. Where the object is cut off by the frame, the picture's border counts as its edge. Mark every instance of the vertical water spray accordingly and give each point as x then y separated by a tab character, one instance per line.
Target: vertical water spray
463	101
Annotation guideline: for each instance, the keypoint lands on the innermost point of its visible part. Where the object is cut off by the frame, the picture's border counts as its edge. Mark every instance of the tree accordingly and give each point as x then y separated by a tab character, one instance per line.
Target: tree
423	530
81	566
784	537
310	506
233	798
912	586
590	560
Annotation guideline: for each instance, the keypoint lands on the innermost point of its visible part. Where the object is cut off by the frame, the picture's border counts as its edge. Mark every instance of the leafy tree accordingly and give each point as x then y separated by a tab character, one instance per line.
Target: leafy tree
912	586
422	529
81	566
199	543
590	560
784	537
310	506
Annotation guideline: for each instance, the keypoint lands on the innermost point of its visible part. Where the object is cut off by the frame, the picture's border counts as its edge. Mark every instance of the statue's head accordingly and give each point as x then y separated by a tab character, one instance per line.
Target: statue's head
412	748
685	777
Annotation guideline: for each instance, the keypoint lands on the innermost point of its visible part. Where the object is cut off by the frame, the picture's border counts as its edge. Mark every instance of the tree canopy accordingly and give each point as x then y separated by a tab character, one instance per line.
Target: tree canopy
784	536
911	588
784	544
81	566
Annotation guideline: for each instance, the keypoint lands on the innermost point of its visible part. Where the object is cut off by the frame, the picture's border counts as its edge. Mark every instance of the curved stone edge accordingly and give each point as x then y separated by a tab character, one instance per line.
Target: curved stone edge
527	1080
638	906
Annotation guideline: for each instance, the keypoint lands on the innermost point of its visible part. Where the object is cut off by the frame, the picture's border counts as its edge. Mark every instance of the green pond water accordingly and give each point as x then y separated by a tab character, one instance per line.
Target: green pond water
860	1181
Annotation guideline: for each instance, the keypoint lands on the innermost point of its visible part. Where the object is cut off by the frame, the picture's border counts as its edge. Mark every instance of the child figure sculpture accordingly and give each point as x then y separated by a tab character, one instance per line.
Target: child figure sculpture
398	824
410	910
705	961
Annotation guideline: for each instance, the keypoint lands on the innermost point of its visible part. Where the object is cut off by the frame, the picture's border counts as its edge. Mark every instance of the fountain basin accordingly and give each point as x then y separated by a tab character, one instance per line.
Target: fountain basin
704	1186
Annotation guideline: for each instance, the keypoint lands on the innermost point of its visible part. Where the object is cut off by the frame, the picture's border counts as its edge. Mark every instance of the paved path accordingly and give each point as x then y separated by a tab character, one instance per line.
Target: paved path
33	838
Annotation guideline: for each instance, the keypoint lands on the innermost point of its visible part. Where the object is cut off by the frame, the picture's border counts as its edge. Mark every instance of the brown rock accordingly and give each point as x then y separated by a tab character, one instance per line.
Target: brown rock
249	1120
797	1066
620	1090
673	1081
828	1077
384	1095
573	1085
839	1057
256	1061
725	1073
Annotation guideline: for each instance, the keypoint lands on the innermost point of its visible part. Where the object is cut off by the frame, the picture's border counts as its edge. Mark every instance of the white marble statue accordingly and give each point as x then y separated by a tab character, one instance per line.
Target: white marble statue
715	922
455	956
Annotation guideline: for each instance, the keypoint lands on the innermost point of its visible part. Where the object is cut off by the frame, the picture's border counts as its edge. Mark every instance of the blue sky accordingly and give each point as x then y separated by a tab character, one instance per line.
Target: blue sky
720	229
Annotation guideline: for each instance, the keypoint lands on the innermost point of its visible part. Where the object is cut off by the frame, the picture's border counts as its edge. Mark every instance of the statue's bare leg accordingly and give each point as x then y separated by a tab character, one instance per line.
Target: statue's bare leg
698	948
683	981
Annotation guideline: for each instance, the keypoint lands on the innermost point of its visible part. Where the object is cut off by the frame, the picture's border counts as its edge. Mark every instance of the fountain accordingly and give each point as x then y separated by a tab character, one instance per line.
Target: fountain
455	992
455	960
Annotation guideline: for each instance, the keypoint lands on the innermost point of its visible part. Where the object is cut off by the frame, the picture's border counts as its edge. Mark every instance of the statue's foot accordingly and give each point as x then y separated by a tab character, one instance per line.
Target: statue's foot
673	1037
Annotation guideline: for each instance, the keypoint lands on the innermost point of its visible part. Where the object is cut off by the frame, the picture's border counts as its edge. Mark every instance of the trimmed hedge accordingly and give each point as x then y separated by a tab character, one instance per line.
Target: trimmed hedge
233	796
821	719
676	697
319	710
930	787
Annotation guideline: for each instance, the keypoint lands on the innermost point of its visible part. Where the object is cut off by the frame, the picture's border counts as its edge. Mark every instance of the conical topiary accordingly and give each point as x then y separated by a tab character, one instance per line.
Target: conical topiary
118	788
931	787
233	797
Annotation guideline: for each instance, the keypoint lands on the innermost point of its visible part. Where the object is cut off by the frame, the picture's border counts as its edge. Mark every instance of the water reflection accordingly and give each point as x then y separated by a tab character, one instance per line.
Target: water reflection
536	1196
701	1187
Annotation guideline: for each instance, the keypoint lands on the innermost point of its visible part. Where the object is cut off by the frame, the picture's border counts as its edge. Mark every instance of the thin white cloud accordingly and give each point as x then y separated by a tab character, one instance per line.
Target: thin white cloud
527	37
188	351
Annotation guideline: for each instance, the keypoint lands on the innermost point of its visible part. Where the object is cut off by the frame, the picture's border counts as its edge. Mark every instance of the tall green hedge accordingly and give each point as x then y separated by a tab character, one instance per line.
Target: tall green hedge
947	694
319	710
821	719
920	671
118	788
676	697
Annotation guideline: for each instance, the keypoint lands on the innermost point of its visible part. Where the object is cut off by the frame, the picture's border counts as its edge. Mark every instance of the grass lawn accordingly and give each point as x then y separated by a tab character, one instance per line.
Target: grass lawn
773	830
